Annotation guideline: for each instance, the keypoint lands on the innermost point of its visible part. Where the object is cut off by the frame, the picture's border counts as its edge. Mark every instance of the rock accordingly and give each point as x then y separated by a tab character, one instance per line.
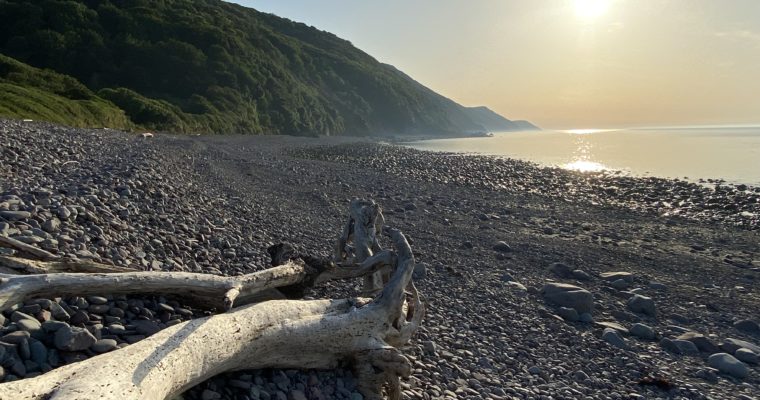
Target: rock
643	331
679	346
657	286
80	317
58	312
747	326
613	276
620	284
209	394
52	326
29	325
569	296
296	395
104	345
730	346
729	365
98	300
746	355
581	275
703	343
51	225
502	247
38	352
561	270
613	325
612	337
568	314
15	337
519	288
145	327
73	339
420	271
708	374
586	318
429	347
642	304
15	215
534	370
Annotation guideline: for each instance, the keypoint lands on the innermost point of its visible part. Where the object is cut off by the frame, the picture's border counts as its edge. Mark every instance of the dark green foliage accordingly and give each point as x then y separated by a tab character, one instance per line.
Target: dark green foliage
210	66
27	92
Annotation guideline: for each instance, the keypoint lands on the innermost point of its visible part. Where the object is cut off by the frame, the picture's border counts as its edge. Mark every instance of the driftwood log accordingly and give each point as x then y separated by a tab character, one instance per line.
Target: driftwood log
360	332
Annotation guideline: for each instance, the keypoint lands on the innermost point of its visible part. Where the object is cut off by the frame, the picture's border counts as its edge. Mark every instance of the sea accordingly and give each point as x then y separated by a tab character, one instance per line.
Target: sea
699	154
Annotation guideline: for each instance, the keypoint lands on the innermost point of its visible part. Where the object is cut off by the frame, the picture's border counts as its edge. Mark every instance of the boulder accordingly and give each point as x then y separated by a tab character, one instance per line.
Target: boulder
612	337
643	331
72	338
730	346
613	276
570	296
642	304
703	343
679	346
748	326
561	270
748	356
728	364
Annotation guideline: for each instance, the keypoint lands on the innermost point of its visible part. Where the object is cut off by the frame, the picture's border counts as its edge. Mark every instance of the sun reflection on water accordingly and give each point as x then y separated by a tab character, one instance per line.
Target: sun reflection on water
584	166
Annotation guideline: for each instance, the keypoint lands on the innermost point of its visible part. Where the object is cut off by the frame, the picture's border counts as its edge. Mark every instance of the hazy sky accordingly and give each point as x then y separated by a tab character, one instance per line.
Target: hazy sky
563	63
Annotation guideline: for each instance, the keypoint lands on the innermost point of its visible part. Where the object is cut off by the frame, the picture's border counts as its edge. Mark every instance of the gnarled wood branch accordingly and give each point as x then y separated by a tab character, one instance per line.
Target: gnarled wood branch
282	334
364	224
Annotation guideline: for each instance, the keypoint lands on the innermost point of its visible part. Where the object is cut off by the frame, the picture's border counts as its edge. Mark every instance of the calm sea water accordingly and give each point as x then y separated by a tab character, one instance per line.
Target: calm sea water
730	153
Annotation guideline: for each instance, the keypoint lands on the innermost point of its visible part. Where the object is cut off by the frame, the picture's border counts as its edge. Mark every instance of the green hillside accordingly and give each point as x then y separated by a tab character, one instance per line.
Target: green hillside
208	66
27	92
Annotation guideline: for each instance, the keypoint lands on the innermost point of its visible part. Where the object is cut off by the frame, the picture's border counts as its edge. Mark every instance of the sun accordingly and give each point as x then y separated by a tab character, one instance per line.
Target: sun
591	9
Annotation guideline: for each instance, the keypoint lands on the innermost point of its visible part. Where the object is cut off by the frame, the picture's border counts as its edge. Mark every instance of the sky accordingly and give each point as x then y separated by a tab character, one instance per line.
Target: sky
563	64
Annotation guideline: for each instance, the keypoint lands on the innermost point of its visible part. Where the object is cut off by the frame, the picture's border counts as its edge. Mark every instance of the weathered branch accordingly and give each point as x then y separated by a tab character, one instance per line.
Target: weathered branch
281	334
364	223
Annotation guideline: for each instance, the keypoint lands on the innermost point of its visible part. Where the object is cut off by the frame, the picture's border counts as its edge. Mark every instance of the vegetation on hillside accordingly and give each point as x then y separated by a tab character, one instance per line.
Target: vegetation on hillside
210	66
27	92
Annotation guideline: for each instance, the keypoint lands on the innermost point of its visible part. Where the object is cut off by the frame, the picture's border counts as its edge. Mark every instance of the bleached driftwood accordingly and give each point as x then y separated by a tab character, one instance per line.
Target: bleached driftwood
281	333
26	249
365	222
220	292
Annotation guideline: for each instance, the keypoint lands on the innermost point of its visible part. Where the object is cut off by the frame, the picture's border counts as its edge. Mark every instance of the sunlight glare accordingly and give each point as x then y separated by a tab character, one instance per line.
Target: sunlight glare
584	166
591	9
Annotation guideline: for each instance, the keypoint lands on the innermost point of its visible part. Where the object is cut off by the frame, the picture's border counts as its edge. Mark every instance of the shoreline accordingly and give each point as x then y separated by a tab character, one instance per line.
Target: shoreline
214	204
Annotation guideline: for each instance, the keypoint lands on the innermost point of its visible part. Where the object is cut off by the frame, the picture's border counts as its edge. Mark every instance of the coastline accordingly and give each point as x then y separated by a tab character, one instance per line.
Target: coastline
216	203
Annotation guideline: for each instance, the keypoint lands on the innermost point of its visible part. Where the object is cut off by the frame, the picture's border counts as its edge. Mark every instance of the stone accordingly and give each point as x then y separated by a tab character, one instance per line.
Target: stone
209	394
561	270
730	346
98	300
420	271
728	364
15	215
581	275
613	325
642	304
568	314
38	352
613	276
52	326
104	345
51	225
296	395
73	339
657	286
703	343
569	296
747	326
534	370
429	347
80	317
145	327
15	337
679	346
708	374
643	331
620	284
58	312
586	318
746	355
29	325
612	337
502	247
